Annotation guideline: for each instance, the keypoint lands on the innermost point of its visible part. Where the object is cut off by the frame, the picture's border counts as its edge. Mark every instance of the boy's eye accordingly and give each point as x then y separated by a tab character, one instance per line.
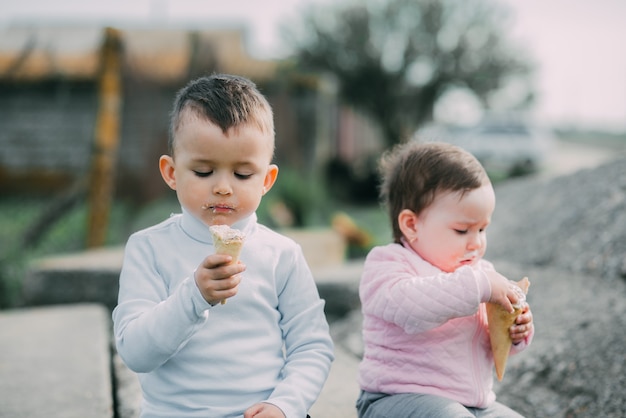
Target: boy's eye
461	231
202	173
243	176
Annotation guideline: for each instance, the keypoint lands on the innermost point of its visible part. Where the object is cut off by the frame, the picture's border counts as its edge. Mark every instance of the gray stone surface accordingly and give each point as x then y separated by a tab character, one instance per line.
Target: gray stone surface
338	397
576	365
128	391
55	362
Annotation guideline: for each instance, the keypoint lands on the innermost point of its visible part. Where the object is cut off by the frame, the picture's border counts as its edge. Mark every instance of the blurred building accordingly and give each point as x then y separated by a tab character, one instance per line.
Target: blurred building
49	103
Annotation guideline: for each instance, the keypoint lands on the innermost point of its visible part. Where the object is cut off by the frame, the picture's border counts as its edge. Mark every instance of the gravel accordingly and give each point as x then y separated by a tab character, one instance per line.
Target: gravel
575	222
568	234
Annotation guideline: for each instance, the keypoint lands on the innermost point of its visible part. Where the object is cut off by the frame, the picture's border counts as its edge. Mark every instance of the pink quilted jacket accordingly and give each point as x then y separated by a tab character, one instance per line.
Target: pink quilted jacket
424	330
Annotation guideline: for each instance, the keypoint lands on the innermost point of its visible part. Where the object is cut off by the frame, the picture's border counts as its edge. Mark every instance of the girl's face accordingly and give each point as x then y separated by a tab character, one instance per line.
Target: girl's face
451	232
219	178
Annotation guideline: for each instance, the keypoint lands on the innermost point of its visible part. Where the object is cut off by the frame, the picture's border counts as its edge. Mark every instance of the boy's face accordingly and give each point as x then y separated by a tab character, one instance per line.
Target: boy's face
451	232
219	178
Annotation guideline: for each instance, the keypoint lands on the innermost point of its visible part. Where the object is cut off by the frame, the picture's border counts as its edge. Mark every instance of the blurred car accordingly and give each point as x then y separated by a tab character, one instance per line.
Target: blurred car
507	146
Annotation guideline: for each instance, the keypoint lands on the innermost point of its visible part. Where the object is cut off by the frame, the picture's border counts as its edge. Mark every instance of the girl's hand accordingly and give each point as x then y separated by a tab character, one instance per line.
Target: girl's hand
502	291
523	326
263	410
216	279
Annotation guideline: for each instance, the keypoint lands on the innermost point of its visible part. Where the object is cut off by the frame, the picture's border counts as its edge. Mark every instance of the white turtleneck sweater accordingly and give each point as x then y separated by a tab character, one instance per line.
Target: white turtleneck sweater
269	343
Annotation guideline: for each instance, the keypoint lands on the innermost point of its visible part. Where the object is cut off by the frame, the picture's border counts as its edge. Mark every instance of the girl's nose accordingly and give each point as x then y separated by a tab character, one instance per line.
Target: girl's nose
474	241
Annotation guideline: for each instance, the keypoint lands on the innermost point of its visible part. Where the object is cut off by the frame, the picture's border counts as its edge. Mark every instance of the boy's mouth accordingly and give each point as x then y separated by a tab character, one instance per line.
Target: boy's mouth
218	208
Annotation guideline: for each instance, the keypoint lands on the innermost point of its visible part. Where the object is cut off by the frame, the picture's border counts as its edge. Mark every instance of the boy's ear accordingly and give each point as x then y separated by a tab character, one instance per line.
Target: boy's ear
407	221
166	166
270	178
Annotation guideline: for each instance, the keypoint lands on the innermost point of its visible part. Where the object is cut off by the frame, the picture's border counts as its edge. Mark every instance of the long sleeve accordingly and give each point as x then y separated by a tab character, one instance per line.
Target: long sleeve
152	325
394	291
308	346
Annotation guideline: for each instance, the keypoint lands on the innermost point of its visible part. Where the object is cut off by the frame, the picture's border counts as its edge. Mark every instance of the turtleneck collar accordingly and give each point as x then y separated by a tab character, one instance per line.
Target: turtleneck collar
199	231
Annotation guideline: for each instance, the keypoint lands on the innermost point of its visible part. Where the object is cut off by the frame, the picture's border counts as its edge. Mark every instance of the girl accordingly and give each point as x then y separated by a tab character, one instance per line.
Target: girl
427	350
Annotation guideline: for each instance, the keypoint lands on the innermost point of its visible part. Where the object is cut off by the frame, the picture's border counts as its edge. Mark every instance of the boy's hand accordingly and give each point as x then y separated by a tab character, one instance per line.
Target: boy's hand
502	291
216	279
523	326
263	410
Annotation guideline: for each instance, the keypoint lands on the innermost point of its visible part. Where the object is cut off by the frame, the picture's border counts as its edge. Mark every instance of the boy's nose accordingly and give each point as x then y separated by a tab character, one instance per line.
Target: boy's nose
222	190
222	187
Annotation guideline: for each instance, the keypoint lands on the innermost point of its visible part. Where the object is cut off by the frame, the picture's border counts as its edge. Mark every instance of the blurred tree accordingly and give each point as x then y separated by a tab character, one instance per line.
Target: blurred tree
393	59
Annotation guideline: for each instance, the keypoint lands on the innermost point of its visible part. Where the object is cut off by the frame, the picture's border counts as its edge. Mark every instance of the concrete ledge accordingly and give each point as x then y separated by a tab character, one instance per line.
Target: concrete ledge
93	276
89	276
321	247
339	286
55	362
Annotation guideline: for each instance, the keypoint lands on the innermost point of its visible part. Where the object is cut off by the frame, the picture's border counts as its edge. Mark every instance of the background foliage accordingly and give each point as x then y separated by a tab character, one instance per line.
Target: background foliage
394	59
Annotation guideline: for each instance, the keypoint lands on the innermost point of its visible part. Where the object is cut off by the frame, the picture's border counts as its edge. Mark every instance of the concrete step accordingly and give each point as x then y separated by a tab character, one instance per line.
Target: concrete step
339	394
55	362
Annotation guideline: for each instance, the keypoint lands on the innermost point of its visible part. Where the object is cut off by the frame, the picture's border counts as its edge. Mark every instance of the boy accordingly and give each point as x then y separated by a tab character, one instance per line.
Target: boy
267	352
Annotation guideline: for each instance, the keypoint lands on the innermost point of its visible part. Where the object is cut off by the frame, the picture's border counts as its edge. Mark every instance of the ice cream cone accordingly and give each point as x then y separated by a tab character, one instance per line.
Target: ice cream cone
499	323
227	241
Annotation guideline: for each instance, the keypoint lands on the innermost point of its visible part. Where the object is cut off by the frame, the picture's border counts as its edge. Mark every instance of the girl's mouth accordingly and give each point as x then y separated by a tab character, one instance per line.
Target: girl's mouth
469	259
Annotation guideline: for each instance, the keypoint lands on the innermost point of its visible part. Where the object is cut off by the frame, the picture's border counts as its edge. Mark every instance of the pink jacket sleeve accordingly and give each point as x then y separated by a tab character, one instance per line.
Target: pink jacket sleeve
400	287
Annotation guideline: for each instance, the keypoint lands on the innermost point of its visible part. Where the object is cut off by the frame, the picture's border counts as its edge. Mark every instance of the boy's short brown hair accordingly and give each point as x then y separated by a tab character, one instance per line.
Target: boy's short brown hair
228	101
414	173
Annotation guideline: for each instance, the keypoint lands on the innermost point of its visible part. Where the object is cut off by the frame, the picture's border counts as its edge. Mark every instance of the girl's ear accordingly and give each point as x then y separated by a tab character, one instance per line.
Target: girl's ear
407	221
166	166
270	178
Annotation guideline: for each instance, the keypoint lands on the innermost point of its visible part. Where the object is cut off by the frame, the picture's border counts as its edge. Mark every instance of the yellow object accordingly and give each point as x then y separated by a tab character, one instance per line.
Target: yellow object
499	323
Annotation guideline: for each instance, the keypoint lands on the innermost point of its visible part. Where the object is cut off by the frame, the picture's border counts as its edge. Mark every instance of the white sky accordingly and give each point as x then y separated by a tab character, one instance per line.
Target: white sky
579	45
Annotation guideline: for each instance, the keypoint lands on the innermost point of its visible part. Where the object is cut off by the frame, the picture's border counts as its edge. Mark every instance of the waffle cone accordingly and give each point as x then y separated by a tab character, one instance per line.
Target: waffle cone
227	241
499	323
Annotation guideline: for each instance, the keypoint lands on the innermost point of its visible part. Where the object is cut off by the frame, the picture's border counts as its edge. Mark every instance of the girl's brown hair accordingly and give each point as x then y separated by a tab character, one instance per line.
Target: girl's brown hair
414	173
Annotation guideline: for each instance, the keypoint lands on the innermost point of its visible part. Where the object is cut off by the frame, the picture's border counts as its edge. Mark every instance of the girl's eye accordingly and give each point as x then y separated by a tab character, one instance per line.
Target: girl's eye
461	231
243	176
202	173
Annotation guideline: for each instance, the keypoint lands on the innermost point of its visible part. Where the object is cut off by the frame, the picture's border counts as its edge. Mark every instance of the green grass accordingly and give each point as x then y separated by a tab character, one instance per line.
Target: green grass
66	235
